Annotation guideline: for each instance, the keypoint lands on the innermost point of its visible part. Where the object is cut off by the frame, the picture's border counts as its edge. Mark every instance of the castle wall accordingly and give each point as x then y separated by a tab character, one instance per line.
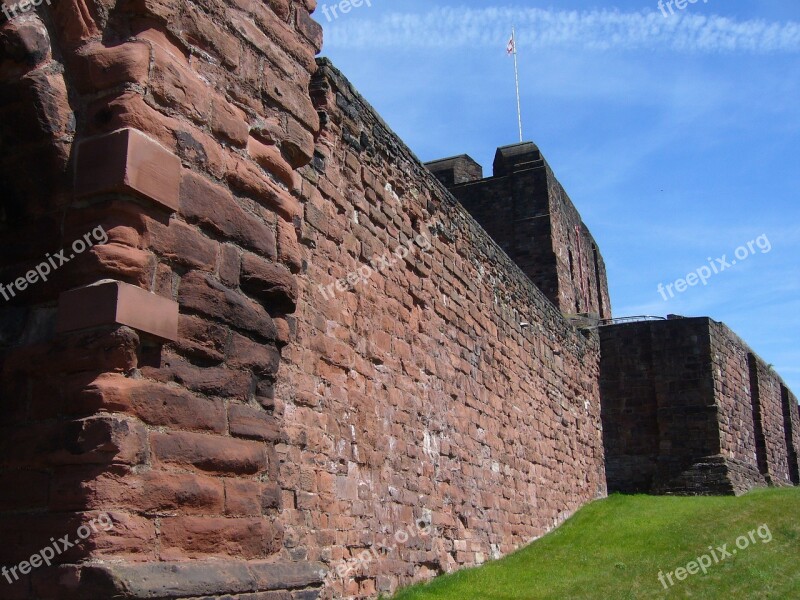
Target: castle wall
793	432
215	389
184	379
724	422
630	408
580	269
526	210
737	394
145	403
415	395
755	409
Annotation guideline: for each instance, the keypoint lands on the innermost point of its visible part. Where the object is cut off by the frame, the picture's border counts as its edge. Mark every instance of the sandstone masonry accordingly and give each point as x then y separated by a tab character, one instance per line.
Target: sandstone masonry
418	397
139	380
526	210
246	433
689	408
186	378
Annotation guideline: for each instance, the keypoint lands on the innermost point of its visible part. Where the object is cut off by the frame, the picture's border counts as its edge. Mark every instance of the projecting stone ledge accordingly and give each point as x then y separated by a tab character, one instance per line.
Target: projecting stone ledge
127	161
235	580
117	303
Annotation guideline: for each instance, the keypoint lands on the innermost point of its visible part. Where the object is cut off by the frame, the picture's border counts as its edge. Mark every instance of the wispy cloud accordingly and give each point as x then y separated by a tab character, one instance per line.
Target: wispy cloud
595	30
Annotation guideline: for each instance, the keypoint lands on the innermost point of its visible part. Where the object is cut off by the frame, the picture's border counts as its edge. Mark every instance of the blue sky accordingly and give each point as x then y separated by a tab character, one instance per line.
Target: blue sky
676	137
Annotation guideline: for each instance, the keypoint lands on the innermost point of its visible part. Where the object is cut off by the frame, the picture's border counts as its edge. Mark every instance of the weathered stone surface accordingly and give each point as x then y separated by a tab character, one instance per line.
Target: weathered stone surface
271	283
182	244
214	208
99	67
277	576
270	158
230	122
173	433
253	423
689	408
348	358
202	339
172	580
101	440
151	491
201	292
211	381
289	252
209	453
206	579
155	404
250	180
243	353
201	537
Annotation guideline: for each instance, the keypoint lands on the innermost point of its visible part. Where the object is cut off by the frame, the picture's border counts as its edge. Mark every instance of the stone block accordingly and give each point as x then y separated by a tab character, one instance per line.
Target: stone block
129	162
113	302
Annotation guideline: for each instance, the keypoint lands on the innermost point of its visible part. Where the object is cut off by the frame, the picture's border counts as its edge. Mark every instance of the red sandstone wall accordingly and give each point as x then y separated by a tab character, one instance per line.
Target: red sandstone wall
416	396
792	411
772	419
722	426
152	398
581	271
732	390
751	405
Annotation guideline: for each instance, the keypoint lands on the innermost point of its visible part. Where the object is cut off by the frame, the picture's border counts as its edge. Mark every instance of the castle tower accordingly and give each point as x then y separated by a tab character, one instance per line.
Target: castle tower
526	211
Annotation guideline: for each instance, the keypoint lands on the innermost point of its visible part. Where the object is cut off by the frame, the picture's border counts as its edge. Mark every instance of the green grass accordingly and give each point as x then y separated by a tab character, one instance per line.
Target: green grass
614	549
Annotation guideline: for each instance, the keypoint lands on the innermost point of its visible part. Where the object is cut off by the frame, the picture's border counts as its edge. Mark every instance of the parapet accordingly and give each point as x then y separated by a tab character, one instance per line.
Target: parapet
456	170
516	157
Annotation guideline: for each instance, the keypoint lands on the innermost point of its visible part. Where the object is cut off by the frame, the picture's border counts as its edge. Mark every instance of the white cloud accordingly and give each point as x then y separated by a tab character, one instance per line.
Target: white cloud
596	30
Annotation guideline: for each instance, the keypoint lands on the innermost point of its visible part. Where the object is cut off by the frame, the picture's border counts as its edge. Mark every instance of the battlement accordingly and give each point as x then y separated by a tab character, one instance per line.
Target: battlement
456	170
515	158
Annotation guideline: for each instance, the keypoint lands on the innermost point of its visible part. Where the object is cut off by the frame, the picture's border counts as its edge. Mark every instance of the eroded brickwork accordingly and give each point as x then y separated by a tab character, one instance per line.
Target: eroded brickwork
175	128
792	422
756	426
773	426
153	392
212	375
417	395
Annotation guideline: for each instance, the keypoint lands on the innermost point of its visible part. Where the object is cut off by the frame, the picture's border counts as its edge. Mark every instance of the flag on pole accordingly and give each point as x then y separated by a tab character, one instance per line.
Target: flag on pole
512	46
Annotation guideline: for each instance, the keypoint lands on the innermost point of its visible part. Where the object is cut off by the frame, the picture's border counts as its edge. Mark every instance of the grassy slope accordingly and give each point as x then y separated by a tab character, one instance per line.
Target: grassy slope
614	549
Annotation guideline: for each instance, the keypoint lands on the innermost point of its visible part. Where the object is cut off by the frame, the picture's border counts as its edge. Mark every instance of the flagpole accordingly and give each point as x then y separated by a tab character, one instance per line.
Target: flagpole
516	77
